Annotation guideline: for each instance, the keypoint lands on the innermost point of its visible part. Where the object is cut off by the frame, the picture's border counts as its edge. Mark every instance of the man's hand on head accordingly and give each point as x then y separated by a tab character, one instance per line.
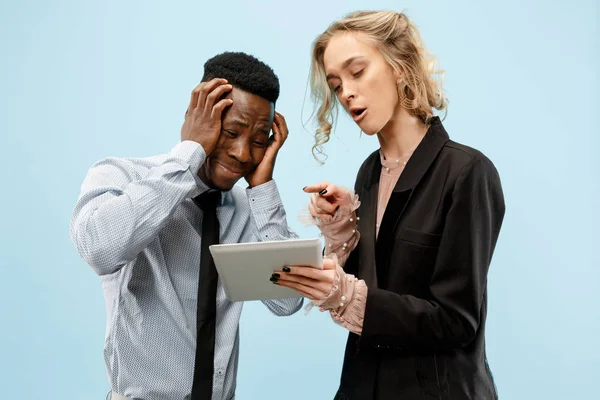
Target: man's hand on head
264	171
203	117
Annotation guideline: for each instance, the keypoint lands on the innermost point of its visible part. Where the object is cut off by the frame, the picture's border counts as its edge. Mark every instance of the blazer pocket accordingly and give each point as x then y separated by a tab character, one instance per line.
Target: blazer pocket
414	236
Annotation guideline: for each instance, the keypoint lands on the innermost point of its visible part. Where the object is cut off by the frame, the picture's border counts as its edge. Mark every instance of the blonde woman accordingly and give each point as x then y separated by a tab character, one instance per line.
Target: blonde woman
409	251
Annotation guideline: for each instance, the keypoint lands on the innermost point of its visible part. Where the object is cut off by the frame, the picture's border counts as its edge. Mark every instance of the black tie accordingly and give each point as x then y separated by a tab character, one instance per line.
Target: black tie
207	298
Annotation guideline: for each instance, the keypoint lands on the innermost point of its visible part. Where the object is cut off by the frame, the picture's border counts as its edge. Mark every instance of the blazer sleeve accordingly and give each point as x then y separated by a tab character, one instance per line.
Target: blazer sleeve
451	317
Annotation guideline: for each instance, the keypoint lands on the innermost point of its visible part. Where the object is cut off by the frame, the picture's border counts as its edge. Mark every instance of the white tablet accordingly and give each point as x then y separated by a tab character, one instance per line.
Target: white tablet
245	268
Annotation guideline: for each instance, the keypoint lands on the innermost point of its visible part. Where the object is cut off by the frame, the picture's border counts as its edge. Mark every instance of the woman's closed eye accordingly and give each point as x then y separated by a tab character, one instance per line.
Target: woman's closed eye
357	74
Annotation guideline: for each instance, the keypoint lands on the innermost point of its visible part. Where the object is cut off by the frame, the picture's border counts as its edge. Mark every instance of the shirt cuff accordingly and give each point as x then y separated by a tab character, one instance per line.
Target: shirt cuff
264	197
190	153
346	301
341	232
354	315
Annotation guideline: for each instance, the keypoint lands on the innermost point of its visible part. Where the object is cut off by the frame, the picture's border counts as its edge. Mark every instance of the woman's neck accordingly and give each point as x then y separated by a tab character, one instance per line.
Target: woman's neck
401	134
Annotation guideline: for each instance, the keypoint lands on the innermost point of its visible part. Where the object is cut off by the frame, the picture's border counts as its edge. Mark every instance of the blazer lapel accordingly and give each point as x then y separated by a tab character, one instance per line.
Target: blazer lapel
393	211
368	188
367	213
415	168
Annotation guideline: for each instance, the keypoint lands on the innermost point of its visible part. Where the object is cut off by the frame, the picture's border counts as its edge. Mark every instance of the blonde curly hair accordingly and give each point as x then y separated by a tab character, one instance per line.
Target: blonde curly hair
398	40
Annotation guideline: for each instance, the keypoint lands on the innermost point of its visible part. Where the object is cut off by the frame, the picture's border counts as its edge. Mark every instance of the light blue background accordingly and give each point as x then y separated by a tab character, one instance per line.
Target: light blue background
83	80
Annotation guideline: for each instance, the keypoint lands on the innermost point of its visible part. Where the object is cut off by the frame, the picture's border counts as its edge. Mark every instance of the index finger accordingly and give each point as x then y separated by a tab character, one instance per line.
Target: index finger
280	119
206	88
281	124
196	93
319	187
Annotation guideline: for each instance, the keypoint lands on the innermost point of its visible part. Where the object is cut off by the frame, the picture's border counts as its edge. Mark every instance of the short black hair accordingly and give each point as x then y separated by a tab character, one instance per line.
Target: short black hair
245	72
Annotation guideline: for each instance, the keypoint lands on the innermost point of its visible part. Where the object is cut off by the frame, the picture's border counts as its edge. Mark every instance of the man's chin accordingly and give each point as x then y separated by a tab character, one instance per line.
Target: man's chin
226	183
221	181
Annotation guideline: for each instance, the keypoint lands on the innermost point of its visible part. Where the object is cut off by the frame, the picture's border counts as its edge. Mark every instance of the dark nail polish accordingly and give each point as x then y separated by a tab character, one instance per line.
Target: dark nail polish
273	279
322	192
286	269
276	275
304	187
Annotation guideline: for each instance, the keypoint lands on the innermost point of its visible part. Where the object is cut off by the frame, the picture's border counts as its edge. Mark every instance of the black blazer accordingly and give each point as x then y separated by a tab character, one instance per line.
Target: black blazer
424	326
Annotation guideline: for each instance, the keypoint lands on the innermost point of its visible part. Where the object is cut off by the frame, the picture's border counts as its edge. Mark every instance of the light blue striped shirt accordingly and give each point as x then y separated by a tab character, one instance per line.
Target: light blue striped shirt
137	227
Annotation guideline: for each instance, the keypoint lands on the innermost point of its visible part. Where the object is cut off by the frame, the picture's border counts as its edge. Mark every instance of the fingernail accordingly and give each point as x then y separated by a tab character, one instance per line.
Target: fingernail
304	188
286	269
273	279
275	275
322	192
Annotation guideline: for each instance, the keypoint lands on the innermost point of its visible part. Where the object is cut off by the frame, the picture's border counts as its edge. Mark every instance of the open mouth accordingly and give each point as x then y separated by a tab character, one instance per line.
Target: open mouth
358	113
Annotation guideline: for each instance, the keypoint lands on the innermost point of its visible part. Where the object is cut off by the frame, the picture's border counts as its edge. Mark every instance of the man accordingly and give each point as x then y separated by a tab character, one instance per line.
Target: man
144	225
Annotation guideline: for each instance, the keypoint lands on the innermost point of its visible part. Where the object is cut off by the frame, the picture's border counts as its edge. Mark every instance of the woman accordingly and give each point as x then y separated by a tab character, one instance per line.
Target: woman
416	240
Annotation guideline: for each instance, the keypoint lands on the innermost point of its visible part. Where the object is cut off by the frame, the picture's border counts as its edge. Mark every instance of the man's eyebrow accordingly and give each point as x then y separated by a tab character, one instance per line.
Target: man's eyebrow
239	122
